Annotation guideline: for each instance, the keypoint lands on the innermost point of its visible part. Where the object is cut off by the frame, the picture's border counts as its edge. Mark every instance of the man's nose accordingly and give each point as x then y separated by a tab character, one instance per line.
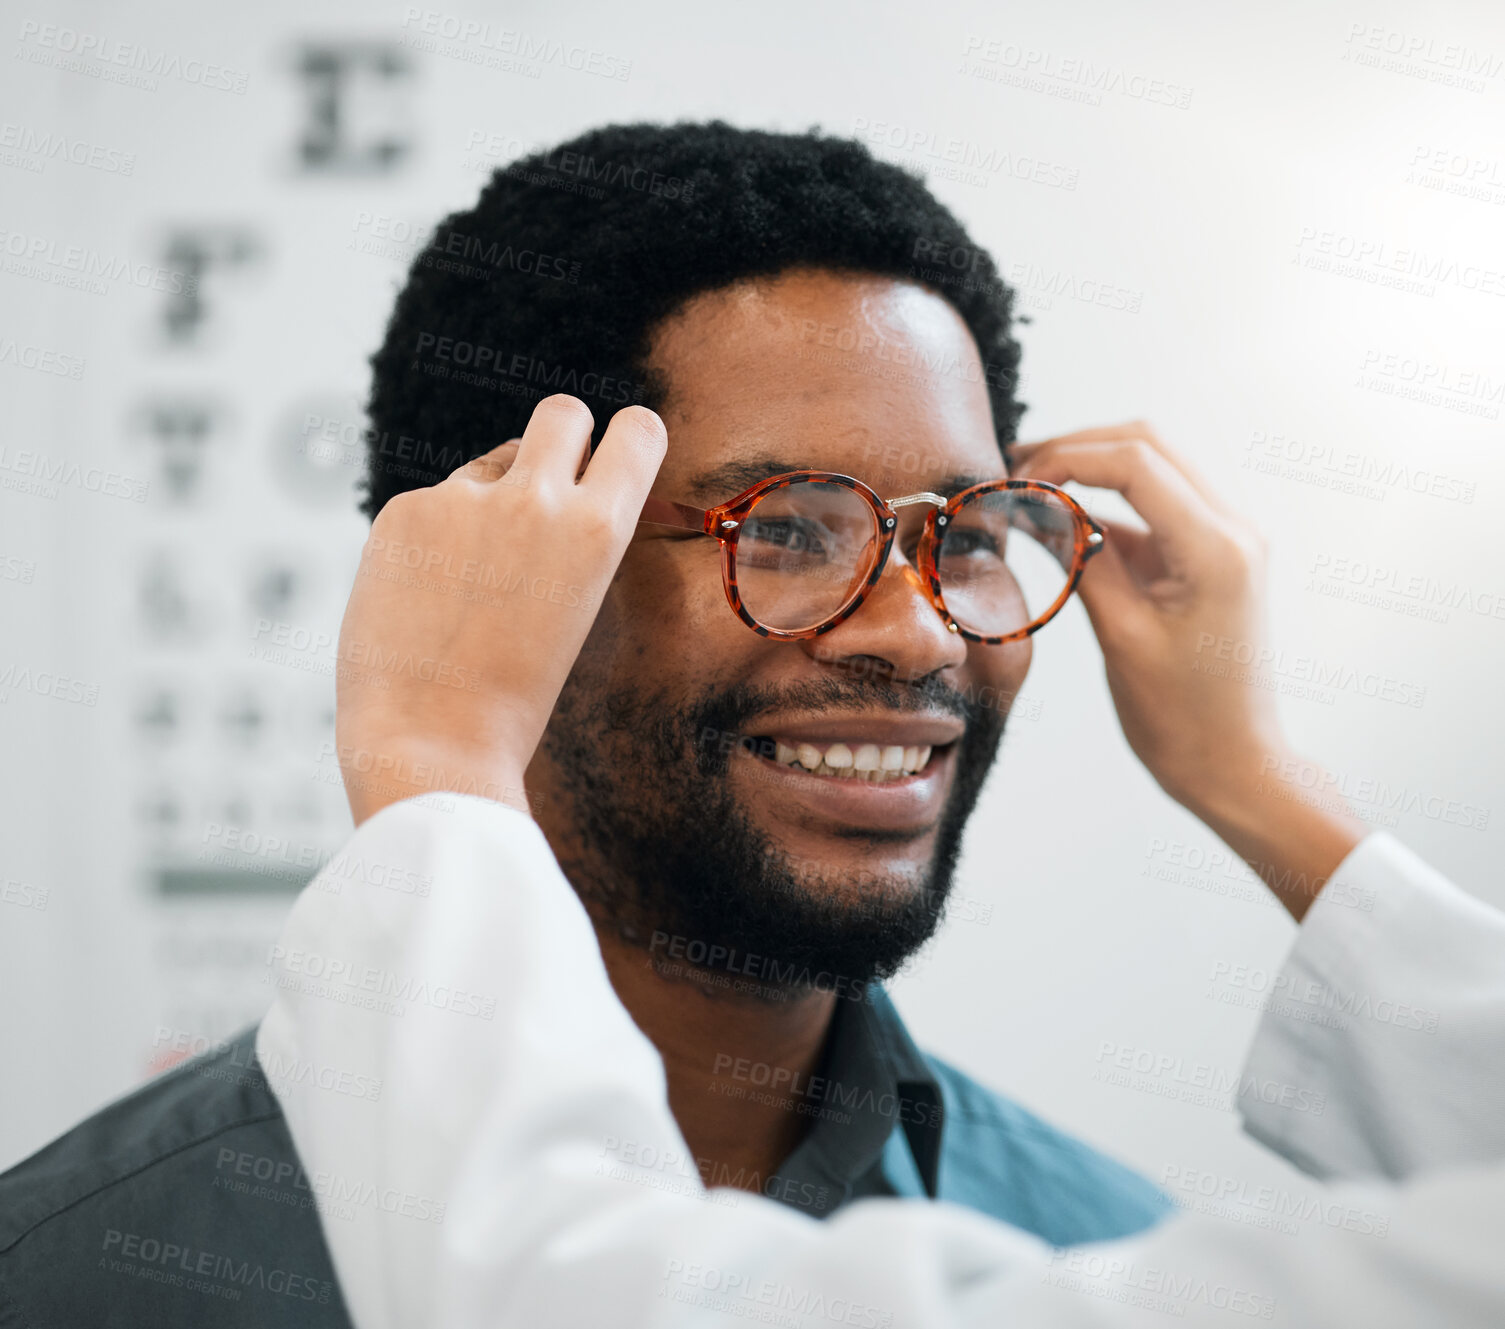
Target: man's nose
897	625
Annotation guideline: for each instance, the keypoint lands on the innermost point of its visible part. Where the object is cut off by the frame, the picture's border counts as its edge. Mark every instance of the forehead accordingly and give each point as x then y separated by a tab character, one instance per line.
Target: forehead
819	370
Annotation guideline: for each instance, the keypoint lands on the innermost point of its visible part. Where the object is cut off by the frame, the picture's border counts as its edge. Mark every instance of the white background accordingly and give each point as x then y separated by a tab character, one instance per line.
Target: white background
1081	933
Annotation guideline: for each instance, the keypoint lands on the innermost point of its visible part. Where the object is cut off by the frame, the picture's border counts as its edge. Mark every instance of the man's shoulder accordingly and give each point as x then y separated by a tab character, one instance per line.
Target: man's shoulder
1000	1158
181	1203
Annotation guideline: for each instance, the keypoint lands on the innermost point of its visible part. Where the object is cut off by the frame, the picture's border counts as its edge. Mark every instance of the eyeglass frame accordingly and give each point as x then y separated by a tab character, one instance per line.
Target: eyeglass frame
724	523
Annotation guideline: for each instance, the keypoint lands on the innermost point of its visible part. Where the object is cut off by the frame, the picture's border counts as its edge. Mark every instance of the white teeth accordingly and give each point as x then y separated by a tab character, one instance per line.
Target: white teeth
838	756
871	762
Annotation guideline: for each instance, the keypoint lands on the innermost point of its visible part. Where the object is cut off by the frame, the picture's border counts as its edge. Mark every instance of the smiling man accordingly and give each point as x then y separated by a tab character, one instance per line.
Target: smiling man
759	771
763	828
762	809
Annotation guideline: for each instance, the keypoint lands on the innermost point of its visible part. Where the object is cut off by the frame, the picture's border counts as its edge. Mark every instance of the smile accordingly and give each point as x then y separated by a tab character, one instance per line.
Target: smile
876	763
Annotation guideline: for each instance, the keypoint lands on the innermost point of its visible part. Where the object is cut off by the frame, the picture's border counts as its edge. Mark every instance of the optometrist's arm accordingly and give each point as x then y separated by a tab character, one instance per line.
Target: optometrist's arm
1389	1007
518	1094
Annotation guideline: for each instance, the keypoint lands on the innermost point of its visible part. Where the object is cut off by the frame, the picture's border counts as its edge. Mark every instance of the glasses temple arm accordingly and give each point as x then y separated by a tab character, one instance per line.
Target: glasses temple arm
661	512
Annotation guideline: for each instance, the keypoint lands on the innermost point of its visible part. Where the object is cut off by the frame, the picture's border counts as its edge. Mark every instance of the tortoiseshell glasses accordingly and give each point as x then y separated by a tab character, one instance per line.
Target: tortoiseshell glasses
801	551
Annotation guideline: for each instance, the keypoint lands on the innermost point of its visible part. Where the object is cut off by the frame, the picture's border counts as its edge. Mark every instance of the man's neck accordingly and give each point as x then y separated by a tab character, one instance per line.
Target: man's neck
732	1060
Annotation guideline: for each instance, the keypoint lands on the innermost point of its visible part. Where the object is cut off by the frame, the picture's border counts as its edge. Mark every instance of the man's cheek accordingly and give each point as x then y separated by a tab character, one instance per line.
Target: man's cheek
995	680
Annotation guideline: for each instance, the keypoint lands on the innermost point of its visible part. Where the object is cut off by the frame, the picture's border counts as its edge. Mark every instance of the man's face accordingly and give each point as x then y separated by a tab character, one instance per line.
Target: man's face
661	816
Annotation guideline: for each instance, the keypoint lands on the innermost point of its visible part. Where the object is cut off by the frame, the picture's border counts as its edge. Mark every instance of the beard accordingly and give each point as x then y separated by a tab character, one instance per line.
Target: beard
664	853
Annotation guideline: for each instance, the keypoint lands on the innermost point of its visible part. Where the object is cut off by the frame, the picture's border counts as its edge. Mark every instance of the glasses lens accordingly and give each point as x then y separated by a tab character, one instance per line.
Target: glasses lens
803	552
1005	559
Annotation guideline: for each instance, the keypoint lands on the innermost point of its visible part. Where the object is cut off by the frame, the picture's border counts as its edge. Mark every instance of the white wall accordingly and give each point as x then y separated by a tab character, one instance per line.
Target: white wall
1214	220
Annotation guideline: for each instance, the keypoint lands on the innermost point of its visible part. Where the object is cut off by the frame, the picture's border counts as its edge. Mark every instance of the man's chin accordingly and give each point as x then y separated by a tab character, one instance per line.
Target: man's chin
833	855
852	872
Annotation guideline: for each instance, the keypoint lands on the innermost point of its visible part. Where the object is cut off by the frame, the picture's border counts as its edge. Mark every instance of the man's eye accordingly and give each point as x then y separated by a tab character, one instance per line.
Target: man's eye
962	541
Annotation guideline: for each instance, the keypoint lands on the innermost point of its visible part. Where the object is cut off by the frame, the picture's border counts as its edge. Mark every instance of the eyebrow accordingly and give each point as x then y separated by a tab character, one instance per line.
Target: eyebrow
732	477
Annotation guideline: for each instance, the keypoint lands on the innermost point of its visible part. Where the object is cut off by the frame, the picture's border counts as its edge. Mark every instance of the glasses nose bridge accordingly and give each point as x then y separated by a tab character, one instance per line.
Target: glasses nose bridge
906	570
924	496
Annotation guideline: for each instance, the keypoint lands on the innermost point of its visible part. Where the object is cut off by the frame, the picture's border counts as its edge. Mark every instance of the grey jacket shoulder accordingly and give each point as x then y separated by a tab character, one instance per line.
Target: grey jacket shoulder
181	1204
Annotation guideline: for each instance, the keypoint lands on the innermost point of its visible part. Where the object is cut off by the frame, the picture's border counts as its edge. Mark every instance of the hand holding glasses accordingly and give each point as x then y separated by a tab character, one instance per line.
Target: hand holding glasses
801	551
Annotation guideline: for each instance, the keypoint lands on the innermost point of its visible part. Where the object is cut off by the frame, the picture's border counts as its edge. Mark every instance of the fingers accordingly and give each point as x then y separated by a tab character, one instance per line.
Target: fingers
490	466
615	481
1153	487
623	468
556	440
1136	430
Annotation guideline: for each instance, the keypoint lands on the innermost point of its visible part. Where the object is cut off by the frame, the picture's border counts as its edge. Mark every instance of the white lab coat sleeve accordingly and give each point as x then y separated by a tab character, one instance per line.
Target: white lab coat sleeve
1381	1051
444	959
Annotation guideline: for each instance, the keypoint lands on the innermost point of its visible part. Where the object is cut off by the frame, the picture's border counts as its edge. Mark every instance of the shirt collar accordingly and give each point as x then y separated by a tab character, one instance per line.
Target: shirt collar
871	1078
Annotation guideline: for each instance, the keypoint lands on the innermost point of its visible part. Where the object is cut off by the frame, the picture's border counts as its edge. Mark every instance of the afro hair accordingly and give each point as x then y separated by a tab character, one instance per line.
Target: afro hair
556	279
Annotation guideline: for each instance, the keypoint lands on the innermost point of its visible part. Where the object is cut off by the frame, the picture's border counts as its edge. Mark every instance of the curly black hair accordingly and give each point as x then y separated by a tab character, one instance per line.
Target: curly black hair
555	280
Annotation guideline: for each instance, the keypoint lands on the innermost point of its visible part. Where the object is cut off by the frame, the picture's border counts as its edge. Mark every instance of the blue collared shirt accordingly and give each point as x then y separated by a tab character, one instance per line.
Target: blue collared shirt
889	1120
